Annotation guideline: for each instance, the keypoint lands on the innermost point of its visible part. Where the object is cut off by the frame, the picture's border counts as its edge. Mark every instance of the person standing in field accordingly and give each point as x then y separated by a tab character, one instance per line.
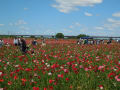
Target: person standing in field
15	41
43	42
19	42
23	46
118	41
1	43
78	42
34	42
109	41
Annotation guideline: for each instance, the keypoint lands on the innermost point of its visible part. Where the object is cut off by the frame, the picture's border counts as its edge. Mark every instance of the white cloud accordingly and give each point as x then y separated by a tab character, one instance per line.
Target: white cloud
88	14
67	31
77	24
1	24
48	32
112	24
20	22
97	14
11	24
113	21
99	28
116	14
74	25
108	26
25	8
24	28
71	26
67	6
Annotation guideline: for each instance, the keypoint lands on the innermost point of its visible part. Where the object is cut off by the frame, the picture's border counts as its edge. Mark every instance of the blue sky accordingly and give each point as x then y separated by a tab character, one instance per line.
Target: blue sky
71	17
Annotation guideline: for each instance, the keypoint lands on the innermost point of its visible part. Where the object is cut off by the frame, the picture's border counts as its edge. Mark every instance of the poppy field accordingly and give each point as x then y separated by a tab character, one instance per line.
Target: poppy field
60	65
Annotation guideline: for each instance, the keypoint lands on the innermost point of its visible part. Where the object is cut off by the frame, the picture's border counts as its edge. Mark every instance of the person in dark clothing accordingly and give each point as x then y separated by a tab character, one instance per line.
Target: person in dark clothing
110	41
19	42
23	46
34	42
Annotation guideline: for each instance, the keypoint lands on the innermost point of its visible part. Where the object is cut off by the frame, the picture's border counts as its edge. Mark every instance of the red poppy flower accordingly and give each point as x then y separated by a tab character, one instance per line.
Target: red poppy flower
50	81
60	75
1	80
110	75
45	88
15	77
117	78
67	79
23	79
28	69
101	86
51	88
9	83
35	88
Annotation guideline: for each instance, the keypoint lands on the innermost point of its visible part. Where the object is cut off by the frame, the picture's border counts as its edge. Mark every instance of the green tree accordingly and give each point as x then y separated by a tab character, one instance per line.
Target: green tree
32	36
59	35
82	35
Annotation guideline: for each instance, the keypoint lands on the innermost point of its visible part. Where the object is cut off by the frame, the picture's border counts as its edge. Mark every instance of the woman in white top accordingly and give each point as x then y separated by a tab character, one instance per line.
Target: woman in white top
15	41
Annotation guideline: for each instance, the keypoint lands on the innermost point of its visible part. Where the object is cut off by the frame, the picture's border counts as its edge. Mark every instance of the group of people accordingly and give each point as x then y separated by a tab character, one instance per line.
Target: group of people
23	46
92	41
21	43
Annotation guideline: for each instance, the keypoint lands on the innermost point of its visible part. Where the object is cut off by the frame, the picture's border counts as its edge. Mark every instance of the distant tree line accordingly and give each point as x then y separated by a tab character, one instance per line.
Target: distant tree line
58	35
61	35
7	36
82	35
